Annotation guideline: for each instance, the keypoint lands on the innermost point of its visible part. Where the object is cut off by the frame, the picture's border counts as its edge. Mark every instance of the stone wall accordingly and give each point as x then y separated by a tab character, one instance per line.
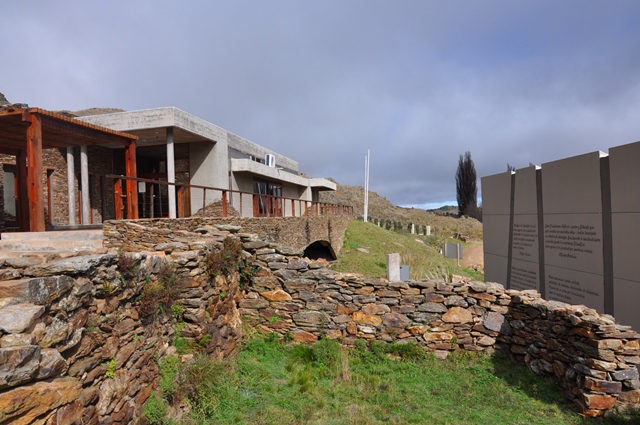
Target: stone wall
79	346
593	359
296	232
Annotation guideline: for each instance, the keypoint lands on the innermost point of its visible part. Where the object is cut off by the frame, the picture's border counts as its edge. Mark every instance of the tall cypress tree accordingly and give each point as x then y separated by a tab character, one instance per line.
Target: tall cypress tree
466	186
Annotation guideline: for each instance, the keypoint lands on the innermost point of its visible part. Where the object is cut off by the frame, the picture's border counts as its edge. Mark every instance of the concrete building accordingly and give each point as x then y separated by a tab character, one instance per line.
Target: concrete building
175	146
83	158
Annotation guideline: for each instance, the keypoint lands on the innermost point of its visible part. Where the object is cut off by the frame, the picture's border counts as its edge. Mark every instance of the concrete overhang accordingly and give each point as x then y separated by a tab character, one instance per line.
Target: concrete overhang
322	184
250	148
150	124
274	173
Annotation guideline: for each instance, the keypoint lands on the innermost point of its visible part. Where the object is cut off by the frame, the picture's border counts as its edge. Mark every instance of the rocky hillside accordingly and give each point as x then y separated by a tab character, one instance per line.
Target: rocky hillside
441	222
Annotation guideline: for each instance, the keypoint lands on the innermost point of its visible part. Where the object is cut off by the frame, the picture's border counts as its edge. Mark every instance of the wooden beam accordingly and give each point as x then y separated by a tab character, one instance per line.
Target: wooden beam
70	132
131	185
34	175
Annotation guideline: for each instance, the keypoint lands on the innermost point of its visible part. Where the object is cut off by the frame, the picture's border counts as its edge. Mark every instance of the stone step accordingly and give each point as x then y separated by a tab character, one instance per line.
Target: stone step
61	235
68	240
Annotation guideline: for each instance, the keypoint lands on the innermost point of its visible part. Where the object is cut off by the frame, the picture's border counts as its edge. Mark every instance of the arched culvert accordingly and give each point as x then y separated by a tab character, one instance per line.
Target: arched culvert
320	249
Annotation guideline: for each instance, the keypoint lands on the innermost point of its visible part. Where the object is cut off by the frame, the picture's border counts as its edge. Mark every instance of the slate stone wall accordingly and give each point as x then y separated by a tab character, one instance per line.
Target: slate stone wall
76	346
296	232
593	359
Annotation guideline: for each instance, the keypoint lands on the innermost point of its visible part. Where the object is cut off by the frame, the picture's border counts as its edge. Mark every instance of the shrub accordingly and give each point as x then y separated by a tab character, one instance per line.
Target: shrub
128	265
160	294
155	409
169	368
228	259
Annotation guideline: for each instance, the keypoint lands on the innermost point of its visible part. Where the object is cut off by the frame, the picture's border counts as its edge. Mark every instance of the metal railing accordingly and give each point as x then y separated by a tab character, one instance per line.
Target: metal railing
261	205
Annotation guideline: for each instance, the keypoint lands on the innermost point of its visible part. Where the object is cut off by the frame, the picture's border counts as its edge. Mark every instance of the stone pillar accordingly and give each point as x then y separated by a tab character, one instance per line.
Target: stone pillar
71	185
393	267
171	173
84	177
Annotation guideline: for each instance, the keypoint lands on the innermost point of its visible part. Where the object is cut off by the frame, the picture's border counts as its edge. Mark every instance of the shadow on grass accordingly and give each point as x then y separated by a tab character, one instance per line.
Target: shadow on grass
546	390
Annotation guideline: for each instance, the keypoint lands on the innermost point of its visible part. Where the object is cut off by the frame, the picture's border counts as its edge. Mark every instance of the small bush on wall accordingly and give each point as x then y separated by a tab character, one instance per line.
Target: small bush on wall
228	259
161	293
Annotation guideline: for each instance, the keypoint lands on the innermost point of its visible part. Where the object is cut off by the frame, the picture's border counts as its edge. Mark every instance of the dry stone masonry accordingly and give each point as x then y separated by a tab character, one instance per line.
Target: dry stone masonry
76	346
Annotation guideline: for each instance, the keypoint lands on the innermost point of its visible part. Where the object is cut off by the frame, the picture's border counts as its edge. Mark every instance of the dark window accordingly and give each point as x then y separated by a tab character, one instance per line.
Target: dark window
267	199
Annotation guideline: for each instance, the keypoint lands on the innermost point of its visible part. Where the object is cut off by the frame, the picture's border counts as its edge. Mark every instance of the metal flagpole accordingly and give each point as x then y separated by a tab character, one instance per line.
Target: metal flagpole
366	185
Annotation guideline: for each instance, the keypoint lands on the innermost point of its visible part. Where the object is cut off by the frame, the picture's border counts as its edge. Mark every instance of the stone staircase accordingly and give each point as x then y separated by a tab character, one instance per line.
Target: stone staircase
42	244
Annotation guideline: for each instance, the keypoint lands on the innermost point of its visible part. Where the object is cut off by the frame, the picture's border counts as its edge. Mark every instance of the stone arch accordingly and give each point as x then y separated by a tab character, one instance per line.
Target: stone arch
320	249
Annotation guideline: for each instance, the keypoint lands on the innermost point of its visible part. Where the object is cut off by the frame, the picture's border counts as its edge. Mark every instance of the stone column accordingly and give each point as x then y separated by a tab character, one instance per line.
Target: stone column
71	186
171	173
84	177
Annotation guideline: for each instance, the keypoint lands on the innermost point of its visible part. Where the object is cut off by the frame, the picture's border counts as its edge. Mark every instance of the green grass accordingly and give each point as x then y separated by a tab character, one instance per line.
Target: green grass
274	383
421	253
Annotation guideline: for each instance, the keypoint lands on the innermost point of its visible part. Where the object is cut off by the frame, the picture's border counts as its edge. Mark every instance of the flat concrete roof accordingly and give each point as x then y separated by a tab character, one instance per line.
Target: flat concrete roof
149	125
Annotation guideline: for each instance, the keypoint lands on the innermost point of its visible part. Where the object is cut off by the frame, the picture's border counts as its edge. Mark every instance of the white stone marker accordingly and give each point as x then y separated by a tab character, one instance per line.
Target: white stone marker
393	267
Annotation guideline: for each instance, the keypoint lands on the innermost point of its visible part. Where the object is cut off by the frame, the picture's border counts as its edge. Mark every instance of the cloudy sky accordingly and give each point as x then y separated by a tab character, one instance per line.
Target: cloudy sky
417	82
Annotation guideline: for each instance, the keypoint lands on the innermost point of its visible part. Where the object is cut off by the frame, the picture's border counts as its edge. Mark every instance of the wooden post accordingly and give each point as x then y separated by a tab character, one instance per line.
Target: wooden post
224	203
151	205
22	213
34	174
180	201
103	198
117	199
131	185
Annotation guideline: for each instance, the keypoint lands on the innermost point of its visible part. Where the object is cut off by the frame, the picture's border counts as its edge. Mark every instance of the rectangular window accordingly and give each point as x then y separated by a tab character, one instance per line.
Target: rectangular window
267	199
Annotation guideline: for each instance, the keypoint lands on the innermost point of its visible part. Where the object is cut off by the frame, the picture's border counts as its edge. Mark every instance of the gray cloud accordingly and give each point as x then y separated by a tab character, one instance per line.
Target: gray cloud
416	82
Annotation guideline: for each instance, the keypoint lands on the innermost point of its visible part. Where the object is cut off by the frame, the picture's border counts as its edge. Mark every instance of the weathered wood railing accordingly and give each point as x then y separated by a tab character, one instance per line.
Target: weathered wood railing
262	205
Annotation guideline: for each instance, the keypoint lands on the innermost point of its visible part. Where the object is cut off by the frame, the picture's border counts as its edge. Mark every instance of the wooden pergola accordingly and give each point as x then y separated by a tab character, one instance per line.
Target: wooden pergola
25	132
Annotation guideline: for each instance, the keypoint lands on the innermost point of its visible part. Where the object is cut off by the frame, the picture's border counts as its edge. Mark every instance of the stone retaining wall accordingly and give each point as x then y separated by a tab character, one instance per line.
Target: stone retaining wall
77	347
296	232
593	359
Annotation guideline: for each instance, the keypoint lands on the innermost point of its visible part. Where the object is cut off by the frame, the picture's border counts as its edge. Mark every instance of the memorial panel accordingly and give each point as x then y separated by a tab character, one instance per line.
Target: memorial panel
573	234
524	275
525	248
495	268
625	222
496	218
575	287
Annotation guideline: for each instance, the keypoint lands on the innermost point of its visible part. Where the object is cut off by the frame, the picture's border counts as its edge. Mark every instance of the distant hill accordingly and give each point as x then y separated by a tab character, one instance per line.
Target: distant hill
442	220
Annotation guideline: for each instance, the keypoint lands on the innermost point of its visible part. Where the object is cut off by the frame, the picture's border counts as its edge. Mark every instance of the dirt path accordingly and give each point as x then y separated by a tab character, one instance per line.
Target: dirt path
473	255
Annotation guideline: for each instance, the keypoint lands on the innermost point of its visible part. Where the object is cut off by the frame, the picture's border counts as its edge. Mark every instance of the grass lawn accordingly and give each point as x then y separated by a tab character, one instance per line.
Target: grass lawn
420	253
275	383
